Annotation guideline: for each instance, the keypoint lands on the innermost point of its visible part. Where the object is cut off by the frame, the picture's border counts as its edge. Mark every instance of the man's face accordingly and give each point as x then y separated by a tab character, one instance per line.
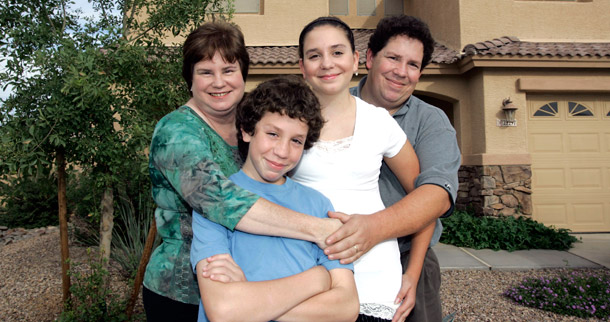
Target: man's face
393	72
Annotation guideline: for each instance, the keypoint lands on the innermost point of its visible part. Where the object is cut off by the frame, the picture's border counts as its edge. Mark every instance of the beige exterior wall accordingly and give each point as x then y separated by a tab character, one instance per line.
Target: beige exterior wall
534	20
444	24
462	22
281	21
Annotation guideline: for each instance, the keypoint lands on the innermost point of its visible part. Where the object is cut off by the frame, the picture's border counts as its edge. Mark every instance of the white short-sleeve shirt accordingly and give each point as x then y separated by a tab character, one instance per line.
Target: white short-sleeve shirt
346	171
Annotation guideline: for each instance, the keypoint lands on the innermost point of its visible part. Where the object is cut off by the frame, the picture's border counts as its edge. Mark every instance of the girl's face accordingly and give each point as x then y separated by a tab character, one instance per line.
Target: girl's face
217	85
328	62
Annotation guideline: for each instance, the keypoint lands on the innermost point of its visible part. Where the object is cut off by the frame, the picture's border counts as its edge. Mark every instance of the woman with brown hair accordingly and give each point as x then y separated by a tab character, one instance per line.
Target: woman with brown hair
192	154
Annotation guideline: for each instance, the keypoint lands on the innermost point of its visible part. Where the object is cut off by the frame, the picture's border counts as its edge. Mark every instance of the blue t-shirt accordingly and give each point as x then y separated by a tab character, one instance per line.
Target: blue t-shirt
265	257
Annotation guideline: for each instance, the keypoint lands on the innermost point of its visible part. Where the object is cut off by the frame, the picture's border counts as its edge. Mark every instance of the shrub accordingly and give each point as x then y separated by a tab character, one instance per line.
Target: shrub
29	201
131	225
583	295
130	233
84	196
92	299
503	233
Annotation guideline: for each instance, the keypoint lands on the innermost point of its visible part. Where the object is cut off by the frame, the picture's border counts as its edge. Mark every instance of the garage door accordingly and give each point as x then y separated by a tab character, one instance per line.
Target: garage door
569	142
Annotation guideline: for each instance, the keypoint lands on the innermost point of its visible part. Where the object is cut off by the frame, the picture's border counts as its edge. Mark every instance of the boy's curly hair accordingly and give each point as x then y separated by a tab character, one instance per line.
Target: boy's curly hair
286	95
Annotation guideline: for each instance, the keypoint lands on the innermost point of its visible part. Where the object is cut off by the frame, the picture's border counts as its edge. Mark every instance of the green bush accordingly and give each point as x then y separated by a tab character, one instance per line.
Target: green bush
130	233
132	219
503	233
92	299
29	201
579	294
83	196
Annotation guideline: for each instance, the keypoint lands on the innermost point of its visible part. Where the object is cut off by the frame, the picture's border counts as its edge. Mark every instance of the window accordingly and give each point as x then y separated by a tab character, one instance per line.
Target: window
366	7
393	7
248	6
577	109
549	109
338	7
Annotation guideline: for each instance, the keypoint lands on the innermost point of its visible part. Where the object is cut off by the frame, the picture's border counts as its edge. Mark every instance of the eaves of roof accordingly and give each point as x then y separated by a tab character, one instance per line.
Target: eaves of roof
513	53
500	52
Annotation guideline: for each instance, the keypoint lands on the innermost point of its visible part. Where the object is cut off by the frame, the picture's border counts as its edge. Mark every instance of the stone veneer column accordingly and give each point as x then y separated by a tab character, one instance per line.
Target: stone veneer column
495	190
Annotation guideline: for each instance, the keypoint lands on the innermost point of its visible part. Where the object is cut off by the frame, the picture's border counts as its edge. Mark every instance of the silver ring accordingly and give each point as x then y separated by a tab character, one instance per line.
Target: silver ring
356	247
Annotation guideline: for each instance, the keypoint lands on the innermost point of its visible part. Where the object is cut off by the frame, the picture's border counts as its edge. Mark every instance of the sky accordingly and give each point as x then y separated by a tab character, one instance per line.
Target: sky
84	5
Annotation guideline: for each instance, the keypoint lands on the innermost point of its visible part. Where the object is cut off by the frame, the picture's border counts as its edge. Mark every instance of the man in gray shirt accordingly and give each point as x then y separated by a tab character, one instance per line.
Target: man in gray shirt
397	53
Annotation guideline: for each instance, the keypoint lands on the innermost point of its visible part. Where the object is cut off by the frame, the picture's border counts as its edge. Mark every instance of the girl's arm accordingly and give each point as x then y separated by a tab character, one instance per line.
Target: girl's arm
419	246
259	301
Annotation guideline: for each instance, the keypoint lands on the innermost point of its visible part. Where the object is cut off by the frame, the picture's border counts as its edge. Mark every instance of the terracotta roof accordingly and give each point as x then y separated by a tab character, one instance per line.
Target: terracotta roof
503	46
273	54
512	46
289	54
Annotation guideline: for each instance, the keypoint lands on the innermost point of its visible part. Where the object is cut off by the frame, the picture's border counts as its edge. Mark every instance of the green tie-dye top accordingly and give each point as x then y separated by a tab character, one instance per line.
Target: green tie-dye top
189	166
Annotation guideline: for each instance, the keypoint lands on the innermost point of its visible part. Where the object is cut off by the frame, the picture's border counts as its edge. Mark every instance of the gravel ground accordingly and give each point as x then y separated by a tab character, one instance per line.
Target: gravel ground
31	290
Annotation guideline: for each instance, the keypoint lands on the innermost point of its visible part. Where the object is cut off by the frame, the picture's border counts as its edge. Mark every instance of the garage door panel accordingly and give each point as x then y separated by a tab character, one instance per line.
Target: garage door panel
552	213
548	178
588	213
583	142
546	143
586	178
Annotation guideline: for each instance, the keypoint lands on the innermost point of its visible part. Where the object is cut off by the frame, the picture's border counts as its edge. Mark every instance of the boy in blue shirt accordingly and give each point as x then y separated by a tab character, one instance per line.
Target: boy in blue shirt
250	277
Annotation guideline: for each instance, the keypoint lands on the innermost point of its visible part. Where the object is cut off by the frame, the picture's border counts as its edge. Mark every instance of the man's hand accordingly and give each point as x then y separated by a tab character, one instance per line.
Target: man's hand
330	226
355	238
222	268
406	295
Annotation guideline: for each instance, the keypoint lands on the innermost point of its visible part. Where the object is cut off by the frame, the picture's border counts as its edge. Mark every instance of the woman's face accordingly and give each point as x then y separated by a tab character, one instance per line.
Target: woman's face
217	85
328	61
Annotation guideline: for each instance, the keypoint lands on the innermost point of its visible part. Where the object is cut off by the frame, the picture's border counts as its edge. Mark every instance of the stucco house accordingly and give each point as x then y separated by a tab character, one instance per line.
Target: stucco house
551	58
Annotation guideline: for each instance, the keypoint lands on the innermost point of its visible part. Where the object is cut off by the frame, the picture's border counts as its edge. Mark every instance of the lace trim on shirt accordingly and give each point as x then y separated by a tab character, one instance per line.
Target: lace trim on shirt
377	310
336	145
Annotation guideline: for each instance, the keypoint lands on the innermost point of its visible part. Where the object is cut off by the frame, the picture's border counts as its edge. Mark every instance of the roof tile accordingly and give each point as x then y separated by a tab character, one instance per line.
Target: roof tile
503	46
262	55
512	46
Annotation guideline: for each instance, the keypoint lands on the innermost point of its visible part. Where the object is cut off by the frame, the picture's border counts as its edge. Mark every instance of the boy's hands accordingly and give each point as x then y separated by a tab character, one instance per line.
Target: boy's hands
222	268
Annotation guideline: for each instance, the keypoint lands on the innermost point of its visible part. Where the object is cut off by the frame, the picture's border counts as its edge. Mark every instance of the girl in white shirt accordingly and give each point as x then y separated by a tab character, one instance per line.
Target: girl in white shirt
344	164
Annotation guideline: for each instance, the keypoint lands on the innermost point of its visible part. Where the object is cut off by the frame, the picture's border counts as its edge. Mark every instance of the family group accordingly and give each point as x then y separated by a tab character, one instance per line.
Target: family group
303	199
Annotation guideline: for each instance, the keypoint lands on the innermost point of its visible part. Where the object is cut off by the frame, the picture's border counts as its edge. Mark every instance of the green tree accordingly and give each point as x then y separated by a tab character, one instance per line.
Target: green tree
87	91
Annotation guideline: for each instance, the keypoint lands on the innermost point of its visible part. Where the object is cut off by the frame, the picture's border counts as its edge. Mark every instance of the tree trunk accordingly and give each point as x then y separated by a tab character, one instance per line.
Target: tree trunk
106	222
63	222
150	241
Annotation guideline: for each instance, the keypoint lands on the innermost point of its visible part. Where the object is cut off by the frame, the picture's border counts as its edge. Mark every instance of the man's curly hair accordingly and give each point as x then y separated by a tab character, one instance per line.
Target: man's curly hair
402	25
286	95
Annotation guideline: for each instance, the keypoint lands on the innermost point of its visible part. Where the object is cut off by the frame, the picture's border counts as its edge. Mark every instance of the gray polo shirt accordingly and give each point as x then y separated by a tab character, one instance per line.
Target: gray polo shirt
433	138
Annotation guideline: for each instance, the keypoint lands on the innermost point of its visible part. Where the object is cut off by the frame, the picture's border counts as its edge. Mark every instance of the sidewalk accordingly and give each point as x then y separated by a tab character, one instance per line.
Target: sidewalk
592	252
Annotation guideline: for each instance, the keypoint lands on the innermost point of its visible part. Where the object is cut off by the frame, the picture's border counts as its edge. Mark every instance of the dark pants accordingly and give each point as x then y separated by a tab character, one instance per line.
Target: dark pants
368	318
428	294
163	309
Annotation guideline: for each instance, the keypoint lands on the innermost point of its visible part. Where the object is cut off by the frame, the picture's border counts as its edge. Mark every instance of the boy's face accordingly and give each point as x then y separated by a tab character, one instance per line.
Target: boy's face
275	148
